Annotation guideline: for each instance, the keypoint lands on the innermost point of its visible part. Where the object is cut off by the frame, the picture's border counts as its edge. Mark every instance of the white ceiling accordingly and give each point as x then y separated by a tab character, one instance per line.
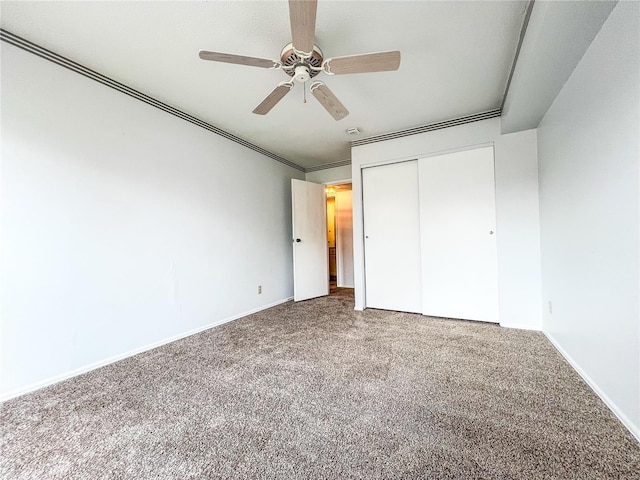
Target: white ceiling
558	34
456	58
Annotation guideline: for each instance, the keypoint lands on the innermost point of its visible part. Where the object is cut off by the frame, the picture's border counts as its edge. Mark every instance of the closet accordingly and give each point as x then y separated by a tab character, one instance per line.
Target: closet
430	236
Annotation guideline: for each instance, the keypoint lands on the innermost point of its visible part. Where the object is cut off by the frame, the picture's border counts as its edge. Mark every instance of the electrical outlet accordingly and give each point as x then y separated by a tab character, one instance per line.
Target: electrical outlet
550	307
259	289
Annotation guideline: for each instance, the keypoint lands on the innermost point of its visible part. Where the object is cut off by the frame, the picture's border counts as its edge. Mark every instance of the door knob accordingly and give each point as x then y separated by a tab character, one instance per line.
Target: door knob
298	240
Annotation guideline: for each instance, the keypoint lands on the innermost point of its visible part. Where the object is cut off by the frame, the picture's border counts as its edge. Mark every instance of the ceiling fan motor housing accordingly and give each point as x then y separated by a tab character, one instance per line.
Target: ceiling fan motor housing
300	68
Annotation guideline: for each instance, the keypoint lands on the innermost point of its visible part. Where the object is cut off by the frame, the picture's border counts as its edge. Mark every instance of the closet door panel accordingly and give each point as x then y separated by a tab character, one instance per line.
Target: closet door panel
458	235
392	237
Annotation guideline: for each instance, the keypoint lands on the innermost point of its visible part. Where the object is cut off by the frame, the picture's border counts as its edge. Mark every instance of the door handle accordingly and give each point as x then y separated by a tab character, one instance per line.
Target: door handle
298	240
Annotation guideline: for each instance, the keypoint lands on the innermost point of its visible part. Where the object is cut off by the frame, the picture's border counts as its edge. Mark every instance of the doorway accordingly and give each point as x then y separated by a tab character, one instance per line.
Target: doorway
340	235
311	227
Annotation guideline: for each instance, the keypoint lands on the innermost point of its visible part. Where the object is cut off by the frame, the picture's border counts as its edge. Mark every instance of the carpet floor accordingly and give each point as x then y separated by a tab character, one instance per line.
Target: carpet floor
318	390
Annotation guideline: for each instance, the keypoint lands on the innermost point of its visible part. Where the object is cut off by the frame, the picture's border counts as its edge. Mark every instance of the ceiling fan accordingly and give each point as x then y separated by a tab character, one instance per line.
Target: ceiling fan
302	60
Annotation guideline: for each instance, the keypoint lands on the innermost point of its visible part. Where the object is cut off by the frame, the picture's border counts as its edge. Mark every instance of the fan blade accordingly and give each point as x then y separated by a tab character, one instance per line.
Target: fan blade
274	97
302	14
369	62
328	100
237	59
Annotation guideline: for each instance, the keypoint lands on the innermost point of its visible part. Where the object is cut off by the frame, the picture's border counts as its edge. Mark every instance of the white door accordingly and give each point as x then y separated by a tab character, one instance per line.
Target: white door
344	238
310	253
458	225
392	237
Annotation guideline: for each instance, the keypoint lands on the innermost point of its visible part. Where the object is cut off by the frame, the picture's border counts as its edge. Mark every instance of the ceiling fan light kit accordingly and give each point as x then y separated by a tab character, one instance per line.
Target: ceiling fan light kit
303	60
302	73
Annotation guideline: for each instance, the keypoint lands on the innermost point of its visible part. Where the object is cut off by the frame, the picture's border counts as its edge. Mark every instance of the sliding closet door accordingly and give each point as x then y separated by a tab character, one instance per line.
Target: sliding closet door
392	237
458	241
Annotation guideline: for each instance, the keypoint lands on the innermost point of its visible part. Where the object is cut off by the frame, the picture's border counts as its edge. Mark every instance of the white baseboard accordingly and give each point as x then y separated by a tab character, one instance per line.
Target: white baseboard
518	326
87	368
626	421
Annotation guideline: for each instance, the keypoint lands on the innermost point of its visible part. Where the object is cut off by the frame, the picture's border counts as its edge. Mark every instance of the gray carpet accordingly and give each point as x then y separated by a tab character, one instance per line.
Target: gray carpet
316	390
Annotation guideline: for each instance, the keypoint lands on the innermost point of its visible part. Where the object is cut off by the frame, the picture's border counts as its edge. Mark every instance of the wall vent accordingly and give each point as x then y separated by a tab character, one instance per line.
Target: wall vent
428	128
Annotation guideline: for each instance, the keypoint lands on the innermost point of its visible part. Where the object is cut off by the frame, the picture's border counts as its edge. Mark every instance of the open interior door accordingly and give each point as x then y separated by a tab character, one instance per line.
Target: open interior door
310	252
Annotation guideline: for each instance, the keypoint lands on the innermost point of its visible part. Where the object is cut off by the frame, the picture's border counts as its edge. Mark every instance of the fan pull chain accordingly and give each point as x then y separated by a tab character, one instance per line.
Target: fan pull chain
304	94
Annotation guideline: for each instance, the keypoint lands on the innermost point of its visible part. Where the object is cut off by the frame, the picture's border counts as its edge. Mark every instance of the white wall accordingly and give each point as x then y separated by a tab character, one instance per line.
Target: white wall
123	226
516	208
588	153
558	34
329	175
